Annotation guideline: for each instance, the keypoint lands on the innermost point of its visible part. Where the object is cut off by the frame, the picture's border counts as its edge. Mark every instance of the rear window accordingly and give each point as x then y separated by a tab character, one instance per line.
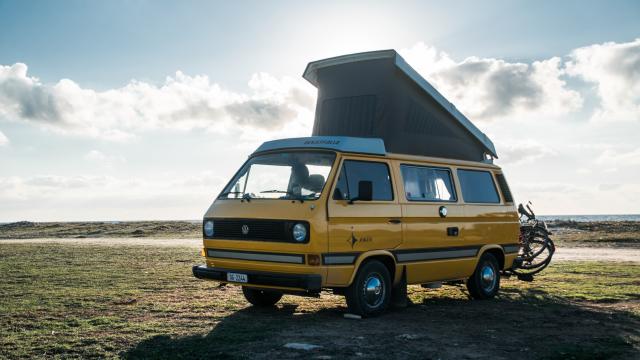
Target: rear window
427	183
504	188
355	171
478	187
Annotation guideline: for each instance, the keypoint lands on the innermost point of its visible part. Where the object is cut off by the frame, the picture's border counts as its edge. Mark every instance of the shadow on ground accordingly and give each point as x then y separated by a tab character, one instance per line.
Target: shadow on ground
524	324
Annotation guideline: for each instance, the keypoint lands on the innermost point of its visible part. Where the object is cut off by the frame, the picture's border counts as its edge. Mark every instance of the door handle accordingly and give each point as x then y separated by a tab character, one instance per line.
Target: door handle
453	231
395	221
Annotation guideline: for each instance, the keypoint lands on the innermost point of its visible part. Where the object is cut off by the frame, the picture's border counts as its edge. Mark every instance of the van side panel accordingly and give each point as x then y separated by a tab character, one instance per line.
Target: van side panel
354	229
439	270
493	224
431	251
425	230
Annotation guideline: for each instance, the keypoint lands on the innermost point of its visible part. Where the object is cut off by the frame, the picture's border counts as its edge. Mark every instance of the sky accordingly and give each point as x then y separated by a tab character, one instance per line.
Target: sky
143	110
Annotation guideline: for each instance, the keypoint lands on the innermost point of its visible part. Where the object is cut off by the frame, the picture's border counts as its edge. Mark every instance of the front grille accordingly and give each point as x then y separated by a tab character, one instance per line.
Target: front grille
258	230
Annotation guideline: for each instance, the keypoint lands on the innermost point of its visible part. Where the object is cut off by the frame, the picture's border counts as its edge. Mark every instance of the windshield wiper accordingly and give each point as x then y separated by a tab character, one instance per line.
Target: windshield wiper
293	196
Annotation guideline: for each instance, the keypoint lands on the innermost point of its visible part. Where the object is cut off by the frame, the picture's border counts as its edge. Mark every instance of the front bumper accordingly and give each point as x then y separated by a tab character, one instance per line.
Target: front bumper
303	282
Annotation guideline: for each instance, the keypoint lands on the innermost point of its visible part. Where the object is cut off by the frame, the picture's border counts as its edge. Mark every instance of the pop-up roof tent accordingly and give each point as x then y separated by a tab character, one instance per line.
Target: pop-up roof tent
378	95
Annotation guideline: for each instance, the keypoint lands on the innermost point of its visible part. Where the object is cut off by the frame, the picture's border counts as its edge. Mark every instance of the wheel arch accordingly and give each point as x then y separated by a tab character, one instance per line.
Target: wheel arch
495	250
384	257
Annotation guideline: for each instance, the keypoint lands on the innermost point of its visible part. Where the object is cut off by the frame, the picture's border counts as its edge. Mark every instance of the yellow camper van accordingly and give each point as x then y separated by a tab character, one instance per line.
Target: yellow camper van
394	187
341	213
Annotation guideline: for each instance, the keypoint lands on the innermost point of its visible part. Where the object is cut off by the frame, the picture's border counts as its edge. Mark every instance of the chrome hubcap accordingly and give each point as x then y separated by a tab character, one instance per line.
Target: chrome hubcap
488	277
373	290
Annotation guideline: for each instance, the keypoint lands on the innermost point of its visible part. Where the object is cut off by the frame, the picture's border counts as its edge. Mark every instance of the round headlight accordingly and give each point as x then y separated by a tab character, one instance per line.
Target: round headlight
299	232
208	228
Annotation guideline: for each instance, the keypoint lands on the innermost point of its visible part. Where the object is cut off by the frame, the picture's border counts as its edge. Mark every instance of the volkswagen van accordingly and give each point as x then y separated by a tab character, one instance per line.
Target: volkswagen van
343	214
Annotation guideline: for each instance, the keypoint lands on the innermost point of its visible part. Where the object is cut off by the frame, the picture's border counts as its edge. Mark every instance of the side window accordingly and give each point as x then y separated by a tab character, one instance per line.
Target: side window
427	183
355	171
478	187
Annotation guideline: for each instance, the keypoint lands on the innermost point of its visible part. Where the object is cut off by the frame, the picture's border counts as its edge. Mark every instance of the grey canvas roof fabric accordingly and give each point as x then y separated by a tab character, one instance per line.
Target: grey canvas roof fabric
378	95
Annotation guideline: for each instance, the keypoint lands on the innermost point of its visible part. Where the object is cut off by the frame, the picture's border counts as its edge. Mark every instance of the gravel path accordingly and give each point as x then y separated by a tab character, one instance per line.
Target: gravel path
597	254
562	253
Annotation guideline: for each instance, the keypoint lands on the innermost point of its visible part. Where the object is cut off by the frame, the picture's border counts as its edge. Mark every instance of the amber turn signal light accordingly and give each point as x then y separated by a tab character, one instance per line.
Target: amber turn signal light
313	260
202	253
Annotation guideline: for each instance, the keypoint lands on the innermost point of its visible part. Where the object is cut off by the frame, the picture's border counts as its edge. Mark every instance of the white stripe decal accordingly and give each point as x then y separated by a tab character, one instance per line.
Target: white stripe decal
436	255
294	259
338	259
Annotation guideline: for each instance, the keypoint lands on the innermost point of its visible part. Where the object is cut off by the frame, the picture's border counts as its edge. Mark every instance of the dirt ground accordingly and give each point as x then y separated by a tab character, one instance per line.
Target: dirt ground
606	234
101	229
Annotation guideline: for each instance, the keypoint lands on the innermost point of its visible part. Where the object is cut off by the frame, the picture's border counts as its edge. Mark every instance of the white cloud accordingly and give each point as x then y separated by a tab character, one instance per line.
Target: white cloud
577	160
616	158
183	102
95	155
487	88
523	152
551	198
98	157
4	141
427	60
53	186
614	69
483	88
44	186
84	197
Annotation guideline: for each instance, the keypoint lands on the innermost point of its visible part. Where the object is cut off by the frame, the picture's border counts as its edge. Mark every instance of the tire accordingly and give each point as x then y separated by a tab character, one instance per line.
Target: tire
535	236
529	267
370	292
260	297
485	281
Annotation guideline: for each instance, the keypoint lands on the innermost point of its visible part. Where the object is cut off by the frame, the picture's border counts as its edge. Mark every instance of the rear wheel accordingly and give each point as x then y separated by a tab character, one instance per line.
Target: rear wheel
485	281
370	292
260	297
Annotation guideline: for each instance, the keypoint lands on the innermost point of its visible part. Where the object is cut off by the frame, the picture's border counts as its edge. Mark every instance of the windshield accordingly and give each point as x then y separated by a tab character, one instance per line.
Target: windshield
299	175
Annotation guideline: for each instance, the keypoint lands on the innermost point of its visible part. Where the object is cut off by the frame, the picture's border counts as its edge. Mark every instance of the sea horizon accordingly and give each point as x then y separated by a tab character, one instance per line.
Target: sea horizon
545	217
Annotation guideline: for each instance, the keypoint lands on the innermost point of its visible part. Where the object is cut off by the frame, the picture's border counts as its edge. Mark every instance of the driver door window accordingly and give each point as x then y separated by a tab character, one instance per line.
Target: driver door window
355	171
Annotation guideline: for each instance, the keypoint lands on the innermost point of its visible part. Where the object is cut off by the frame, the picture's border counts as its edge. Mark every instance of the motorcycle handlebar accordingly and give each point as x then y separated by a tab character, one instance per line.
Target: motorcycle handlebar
531	211
523	211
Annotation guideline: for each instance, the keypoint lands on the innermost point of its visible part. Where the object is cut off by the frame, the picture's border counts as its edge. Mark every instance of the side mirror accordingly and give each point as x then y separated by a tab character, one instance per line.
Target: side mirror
365	191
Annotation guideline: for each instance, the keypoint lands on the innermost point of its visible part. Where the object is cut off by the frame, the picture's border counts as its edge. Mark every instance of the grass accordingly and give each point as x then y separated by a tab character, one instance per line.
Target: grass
91	301
591	281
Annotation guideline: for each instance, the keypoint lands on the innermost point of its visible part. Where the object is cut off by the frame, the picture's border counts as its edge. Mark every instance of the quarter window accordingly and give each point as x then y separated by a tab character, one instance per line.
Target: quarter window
355	171
427	183
478	187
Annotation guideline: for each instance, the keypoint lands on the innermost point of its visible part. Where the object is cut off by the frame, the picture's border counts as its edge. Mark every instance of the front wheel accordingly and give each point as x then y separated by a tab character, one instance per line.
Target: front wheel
260	297
370	292
485	281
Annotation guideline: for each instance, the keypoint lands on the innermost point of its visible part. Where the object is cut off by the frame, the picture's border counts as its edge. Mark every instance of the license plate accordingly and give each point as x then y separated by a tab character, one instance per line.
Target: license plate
235	277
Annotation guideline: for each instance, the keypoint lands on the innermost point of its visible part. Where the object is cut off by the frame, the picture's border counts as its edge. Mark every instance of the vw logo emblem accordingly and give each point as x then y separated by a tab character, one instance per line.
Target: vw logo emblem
245	229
